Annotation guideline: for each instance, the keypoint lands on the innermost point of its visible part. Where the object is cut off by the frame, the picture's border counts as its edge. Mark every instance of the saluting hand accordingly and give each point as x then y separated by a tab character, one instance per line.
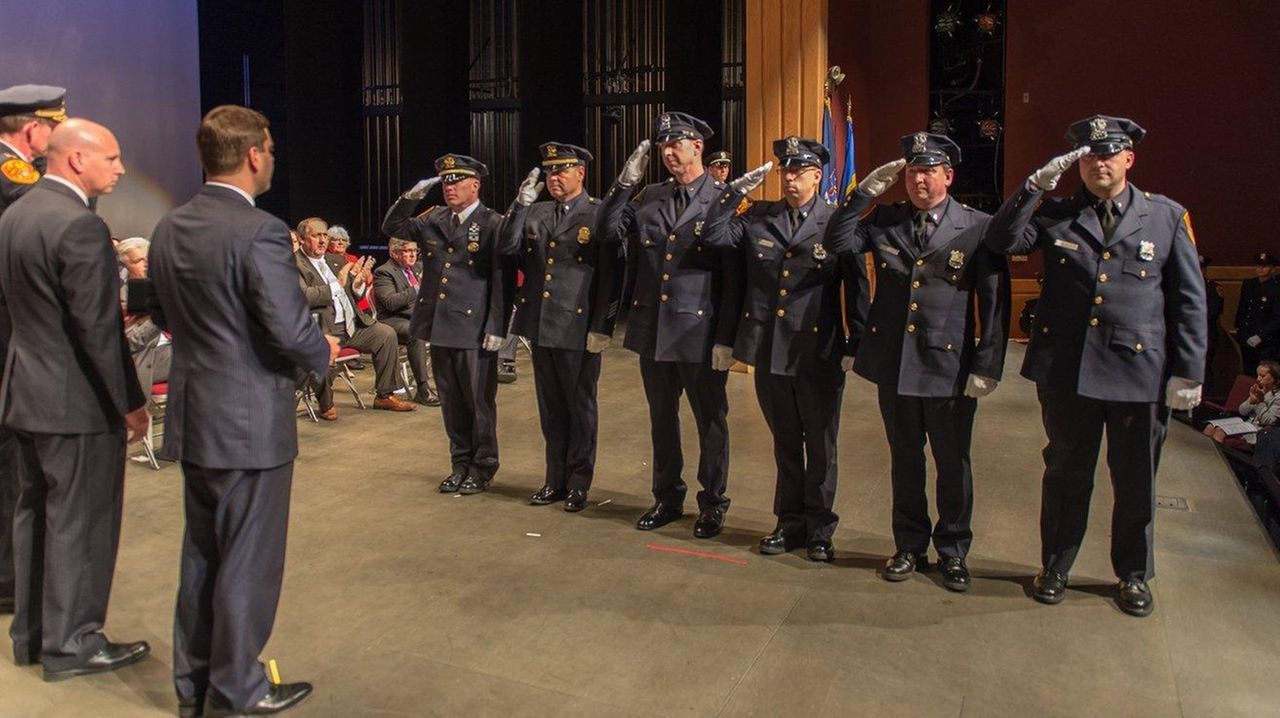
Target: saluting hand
1046	178
633	168
881	178
420	190
529	188
752	179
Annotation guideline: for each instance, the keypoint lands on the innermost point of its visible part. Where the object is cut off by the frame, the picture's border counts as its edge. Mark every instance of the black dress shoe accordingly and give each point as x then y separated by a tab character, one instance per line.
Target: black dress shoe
108	658
1050	587
778	542
903	564
821	551
1134	598
507	373
426	398
451	483
660	515
191	707
474	485
575	501
709	524
547	495
279	698
955	575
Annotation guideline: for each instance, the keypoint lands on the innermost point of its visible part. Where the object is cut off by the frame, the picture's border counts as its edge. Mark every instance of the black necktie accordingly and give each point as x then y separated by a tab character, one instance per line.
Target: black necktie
795	217
919	229
457	221
679	201
1107	213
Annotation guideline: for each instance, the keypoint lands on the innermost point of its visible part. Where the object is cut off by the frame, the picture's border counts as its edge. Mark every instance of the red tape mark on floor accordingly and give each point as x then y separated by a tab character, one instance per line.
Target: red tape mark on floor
699	554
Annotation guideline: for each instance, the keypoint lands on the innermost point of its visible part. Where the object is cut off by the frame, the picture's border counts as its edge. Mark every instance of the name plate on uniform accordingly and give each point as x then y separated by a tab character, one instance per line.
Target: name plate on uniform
888	250
765	242
1066	245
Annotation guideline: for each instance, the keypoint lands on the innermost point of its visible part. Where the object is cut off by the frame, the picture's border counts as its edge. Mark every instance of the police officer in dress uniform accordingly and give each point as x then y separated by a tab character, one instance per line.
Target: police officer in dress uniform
793	332
719	165
918	349
28	114
460	311
685	298
563	265
1119	340
1258	314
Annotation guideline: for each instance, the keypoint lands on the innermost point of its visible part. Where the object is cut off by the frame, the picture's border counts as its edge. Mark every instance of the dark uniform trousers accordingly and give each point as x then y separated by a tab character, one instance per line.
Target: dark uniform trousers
468	384
232	567
10	457
76	483
664	382
1135	432
565	380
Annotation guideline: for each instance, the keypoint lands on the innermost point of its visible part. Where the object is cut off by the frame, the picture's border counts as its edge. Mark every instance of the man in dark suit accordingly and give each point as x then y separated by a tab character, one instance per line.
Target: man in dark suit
333	288
227	292
919	346
28	114
461	311
71	396
564	266
1119	341
685	300
395	292
793	332
1257	326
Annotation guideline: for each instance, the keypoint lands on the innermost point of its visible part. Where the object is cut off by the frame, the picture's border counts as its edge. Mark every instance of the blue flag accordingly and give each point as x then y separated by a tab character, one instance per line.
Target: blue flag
849	176
830	187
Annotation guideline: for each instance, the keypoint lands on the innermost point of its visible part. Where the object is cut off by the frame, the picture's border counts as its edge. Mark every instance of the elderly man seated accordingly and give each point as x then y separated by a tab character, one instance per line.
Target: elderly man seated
333	288
150	347
395	290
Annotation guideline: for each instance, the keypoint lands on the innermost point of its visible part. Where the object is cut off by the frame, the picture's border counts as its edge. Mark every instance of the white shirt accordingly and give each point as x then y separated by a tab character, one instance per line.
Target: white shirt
341	308
247	197
79	192
464	214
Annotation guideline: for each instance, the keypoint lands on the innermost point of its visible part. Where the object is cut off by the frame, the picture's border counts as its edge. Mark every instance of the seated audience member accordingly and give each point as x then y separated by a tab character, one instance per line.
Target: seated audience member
1262	408
333	288
150	347
339	240
395	290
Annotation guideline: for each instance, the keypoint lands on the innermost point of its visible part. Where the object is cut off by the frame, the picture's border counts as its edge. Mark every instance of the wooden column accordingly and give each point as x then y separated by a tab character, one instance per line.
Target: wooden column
786	67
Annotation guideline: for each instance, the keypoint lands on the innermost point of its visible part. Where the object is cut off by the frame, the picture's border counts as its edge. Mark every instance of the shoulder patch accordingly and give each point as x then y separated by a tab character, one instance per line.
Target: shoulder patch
428	210
743	206
19	171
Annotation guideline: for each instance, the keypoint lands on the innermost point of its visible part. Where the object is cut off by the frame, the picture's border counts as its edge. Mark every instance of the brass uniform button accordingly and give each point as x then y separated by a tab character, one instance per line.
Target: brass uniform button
911	329
1142	273
1106	255
666	277
546	295
671	238
782	312
699	312
551	260
1138	346
919	262
1097	299
786	272
448	265
1063	260
442	295
444	280
782	292
915	284
884	265
1102	277
669	256
1044	330
786	255
663	297
1093	322
579	310
548	277
915	307
552	244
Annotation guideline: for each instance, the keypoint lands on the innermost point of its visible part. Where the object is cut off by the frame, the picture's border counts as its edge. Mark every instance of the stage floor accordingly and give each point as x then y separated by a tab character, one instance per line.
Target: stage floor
399	601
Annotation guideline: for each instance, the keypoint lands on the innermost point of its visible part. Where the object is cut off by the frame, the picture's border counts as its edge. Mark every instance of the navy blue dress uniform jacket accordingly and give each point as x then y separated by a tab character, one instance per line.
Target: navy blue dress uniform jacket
566	269
462	296
792	294
919	335
68	368
1259	313
684	295
227	291
1116	318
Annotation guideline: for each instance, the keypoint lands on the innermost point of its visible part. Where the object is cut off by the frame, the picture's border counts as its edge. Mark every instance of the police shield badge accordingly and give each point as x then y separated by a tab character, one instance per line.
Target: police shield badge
819	252
1146	251
956	259
584	235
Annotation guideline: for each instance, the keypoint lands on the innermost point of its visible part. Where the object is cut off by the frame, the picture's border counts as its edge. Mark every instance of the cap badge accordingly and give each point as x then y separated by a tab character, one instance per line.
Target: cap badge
921	140
1097	129
956	259
584	235
551	151
793	145
664	122
1146	251
449	162
819	251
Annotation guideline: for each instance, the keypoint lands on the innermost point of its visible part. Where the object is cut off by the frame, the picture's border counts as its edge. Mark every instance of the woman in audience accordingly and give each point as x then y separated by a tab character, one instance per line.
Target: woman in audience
339	240
1262	407
149	346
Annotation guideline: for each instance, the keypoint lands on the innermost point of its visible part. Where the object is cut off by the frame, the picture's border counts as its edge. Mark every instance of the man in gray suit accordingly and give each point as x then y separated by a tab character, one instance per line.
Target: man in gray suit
395	291
70	394
227	291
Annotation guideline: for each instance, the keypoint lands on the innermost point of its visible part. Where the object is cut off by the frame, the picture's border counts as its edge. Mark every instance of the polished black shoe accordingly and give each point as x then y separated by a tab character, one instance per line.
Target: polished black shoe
474	485
777	542
1134	598
955	575
660	515
451	483
1050	587
191	707
279	698
709	524
108	658
507	373
426	398
821	551
6	605
903	564
575	500
547	495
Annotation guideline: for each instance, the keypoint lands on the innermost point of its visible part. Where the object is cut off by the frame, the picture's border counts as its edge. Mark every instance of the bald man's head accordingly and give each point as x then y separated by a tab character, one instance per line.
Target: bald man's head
86	154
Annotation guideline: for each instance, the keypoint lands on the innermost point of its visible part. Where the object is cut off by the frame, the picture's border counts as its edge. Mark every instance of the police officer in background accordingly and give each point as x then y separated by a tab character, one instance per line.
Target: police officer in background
563	265
719	165
919	347
793	332
685	298
1119	341
460	311
28	114
1258	314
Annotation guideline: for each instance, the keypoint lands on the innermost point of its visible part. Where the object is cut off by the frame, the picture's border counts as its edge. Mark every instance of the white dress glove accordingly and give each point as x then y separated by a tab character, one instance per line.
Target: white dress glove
881	178
752	179
420	190
1182	394
846	363
1253	341
492	343
597	342
721	357
979	386
1046	178
633	168
529	188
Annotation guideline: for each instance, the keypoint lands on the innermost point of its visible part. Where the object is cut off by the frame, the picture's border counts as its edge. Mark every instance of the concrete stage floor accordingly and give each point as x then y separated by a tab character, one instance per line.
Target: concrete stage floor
399	601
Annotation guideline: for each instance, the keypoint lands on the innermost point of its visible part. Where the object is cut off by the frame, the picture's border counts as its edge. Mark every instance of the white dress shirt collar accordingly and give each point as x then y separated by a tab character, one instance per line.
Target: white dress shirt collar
464	214
79	192
248	197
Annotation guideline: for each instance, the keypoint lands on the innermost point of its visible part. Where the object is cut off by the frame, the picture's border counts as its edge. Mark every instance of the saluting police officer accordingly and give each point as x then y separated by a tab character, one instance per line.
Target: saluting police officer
1258	314
793	332
919	346
720	165
563	265
460	311
28	114
1121	317
685	298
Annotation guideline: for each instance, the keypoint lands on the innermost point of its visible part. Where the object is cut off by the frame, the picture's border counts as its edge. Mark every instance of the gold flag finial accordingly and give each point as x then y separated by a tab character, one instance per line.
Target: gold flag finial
834	78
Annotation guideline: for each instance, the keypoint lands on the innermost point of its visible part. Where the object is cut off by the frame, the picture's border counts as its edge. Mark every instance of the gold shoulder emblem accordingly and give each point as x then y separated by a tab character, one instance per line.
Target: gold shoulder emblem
19	171
743	206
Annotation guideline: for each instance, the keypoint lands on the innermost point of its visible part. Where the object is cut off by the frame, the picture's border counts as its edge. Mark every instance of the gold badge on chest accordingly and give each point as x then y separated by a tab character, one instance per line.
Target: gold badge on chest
584	234
956	259
819	252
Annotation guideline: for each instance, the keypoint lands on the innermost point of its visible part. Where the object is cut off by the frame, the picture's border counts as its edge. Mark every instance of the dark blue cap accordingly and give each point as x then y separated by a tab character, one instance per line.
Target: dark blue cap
671	126
1105	135
558	154
720	157
452	168
43	101
929	148
795	152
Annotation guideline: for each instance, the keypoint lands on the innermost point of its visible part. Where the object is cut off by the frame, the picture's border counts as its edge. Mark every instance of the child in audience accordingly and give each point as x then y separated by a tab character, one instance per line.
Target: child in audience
1262	407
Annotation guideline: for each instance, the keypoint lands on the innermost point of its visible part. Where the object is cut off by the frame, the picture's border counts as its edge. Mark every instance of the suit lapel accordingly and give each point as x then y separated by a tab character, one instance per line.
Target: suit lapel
778	223
1132	219
948	229
1086	221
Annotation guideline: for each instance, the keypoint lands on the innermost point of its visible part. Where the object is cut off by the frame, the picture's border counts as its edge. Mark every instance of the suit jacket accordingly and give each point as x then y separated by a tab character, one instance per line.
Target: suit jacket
920	330
465	292
570	276
791	319
319	295
392	294
1116	317
684	295
68	368
228	294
